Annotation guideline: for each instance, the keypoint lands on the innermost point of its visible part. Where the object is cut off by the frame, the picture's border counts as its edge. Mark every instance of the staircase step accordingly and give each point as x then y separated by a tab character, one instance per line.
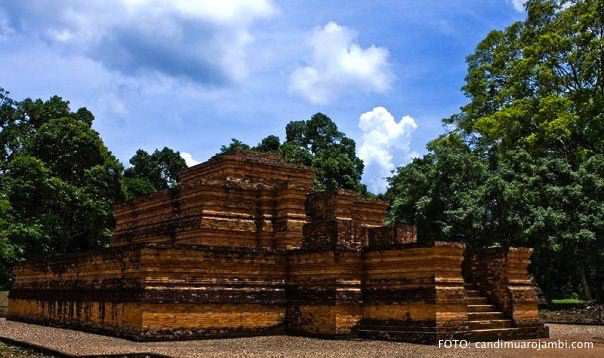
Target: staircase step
481	316
476	300
490	324
481	308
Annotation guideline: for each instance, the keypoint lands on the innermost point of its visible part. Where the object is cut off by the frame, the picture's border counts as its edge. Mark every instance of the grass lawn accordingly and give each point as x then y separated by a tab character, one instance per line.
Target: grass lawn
568	301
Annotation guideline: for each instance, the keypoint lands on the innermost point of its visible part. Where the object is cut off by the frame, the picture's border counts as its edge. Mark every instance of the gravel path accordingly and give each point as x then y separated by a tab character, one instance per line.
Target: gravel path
76	343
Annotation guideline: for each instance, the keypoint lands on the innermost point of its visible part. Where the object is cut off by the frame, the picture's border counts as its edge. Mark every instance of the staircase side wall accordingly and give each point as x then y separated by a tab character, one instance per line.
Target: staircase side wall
502	274
522	290
486	268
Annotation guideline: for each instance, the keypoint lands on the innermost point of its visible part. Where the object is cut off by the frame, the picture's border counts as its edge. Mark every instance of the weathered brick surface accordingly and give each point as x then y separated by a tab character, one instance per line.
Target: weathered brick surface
3	303
388	237
324	292
241	247
416	289
231	200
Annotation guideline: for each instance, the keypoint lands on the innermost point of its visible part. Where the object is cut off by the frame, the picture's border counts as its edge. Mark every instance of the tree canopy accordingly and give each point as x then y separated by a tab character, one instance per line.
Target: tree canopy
152	172
58	180
315	143
523	162
319	144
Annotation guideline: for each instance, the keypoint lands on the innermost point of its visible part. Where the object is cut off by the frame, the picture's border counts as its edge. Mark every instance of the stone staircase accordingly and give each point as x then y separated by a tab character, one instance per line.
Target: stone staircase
485	321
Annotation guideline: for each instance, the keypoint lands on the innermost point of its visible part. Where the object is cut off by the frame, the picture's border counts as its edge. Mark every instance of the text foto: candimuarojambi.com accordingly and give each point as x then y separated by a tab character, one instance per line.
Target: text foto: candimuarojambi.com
537	344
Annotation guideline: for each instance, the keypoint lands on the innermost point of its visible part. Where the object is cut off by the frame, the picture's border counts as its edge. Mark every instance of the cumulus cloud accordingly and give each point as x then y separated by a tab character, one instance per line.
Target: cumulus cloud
338	64
189	159
518	4
384	144
204	41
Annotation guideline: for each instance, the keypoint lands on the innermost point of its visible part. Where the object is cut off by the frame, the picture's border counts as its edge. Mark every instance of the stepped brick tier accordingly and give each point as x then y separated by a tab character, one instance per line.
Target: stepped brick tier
242	246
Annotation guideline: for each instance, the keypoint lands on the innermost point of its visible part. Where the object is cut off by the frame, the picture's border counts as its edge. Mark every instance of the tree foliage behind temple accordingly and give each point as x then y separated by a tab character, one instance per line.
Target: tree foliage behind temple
315	143
524	164
58	180
149	173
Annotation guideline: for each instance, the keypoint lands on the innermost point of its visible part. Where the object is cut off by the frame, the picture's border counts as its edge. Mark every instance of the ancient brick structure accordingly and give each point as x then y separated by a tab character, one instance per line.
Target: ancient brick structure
242	247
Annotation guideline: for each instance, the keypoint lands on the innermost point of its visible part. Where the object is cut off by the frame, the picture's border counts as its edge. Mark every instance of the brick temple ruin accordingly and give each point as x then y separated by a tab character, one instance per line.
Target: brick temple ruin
242	246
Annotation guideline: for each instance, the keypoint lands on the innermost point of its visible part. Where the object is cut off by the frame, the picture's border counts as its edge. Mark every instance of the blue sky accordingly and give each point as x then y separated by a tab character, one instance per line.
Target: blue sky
191	75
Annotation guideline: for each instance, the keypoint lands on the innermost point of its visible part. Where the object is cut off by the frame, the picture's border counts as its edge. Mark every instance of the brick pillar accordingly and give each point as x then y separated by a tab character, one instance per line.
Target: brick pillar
451	309
289	216
523	300
324	276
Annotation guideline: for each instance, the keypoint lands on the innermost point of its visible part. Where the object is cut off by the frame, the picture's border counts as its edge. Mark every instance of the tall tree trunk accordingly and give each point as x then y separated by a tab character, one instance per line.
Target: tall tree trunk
584	283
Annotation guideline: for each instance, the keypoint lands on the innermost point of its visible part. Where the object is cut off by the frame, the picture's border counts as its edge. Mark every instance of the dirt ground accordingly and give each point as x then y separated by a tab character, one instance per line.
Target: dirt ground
589	314
76	343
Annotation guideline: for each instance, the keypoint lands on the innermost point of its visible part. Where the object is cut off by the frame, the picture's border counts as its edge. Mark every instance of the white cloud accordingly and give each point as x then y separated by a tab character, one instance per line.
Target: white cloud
205	41
189	159
518	4
384	144
338	64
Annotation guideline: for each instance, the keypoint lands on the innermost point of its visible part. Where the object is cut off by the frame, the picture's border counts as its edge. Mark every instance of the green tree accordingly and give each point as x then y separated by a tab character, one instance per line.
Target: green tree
58	180
534	129
270	143
316	143
7	249
441	192
135	187
319	144
152	172
235	146
19	121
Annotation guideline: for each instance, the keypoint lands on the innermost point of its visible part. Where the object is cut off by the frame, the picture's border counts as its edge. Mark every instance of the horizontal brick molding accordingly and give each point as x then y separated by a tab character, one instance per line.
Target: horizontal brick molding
242	246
